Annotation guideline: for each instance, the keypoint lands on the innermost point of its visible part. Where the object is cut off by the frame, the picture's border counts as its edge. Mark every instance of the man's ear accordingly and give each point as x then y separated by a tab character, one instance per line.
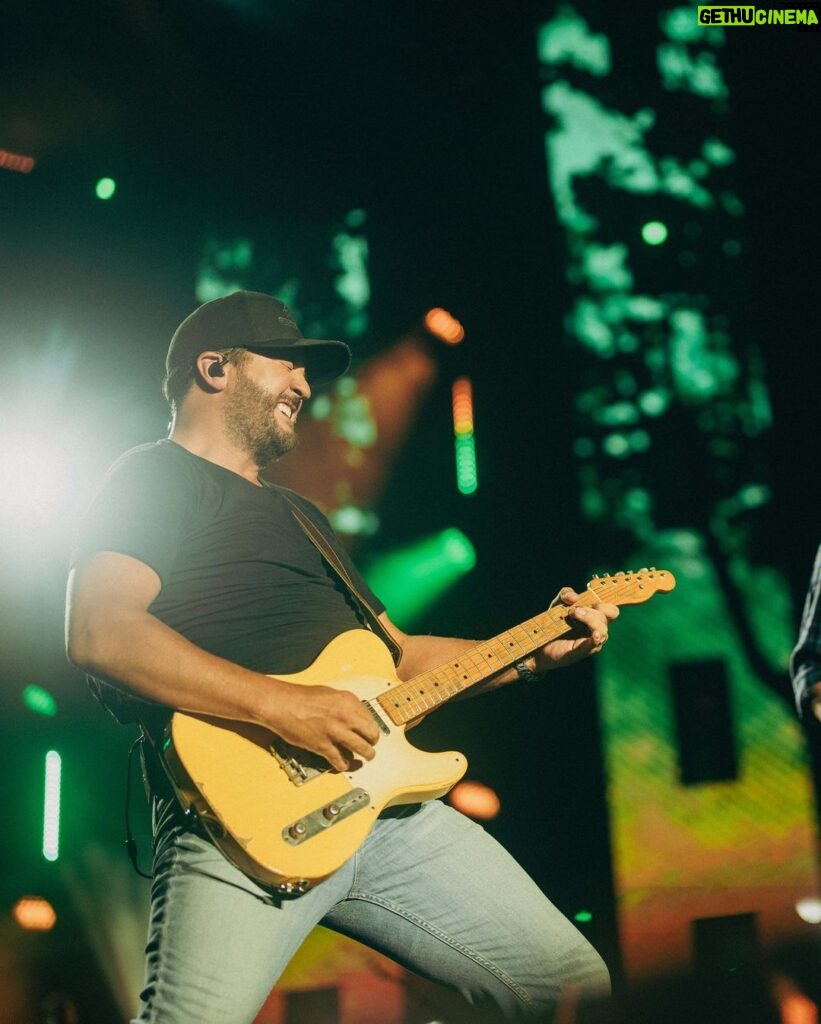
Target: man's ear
210	369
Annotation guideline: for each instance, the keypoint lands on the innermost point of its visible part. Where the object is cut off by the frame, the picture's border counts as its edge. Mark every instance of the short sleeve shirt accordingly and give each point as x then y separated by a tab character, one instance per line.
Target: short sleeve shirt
239	576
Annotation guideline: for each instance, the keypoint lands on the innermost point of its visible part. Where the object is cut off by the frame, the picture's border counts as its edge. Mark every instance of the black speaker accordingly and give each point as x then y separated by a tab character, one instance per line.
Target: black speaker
725	943
704	722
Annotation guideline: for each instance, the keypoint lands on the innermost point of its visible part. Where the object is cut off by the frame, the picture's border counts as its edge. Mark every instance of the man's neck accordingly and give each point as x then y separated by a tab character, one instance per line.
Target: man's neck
215	448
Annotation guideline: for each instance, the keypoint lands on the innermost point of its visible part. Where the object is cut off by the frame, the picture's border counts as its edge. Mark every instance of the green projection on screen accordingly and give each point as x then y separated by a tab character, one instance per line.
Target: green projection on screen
656	355
654	232
668	393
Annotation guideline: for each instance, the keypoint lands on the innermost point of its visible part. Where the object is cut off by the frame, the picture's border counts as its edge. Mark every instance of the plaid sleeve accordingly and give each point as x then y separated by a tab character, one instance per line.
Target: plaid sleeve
805	663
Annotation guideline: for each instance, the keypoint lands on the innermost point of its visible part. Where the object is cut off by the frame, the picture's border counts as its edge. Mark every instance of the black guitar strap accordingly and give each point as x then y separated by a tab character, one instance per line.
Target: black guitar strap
370	616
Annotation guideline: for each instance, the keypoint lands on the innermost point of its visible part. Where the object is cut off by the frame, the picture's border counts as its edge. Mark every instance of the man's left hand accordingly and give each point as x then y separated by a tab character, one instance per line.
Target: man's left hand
591	626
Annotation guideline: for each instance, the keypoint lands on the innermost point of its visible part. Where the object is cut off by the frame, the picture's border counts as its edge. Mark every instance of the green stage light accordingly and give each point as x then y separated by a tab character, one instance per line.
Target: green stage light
467	478
410	580
654	232
51	807
105	188
583	916
39	701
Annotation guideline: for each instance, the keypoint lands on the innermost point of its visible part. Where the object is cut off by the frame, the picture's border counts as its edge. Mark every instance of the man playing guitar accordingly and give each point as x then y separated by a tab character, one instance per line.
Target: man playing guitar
195	587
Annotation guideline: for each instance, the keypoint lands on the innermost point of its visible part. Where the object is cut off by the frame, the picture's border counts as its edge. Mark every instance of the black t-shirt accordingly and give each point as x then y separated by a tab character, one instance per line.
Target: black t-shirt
239	576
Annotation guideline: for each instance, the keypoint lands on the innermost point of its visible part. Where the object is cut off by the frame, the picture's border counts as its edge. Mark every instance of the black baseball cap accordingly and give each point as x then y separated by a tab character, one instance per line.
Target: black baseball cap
256	321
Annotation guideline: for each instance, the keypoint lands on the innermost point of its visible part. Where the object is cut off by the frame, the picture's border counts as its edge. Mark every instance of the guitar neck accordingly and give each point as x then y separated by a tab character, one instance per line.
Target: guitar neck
429	690
425	692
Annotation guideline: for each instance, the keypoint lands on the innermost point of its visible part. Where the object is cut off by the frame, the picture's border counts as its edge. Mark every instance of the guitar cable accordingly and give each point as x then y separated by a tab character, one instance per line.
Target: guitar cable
130	841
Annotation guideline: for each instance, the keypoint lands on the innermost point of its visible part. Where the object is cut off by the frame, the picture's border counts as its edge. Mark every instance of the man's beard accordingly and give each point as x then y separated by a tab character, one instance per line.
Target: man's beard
251	421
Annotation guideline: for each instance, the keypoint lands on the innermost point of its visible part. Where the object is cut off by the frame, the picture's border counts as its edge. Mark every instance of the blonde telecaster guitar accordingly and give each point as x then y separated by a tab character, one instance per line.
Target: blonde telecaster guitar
281	814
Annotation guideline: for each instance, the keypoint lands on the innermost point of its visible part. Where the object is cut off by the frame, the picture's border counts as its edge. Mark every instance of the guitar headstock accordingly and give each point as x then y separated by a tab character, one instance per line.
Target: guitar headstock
632	587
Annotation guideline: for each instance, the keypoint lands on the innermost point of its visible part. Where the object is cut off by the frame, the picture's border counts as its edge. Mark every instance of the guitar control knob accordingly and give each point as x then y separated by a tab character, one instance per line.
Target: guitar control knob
297	830
331	811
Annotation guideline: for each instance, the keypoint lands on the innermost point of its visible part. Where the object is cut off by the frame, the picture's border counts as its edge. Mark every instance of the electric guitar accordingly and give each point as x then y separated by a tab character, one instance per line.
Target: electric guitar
287	819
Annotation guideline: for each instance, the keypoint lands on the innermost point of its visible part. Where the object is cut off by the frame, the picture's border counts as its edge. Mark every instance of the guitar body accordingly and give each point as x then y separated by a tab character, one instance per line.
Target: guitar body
283	816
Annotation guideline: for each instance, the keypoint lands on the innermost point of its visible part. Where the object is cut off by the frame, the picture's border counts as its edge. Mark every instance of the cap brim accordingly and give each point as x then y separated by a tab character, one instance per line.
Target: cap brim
324	360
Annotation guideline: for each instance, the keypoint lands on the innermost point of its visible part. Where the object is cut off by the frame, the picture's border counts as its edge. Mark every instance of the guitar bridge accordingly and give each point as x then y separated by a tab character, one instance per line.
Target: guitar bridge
299	765
311	824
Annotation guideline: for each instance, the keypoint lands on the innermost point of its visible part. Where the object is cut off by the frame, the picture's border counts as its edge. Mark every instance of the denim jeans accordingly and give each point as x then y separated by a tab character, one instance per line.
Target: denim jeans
429	888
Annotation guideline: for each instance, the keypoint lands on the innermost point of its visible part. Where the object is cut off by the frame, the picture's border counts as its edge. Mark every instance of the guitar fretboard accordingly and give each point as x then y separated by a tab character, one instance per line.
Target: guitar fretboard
429	690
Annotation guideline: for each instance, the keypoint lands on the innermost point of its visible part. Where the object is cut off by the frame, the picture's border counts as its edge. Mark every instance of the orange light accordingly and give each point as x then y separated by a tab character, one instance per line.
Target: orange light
35	914
16	162
462	406
476	800
443	325
794	1006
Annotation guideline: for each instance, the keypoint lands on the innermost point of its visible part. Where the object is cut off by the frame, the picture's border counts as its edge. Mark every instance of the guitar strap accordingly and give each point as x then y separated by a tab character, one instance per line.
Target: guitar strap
370	616
154	775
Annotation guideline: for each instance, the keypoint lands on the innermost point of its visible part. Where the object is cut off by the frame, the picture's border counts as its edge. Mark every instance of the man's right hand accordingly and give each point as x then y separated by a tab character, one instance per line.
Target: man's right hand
332	723
111	634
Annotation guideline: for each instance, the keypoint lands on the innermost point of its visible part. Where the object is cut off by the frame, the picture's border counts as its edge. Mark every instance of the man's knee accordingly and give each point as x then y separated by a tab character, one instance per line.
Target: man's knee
579	977
593	974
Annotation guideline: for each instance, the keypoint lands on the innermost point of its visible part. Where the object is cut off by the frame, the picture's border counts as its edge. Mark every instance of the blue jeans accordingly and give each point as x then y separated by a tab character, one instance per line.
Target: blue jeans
429	888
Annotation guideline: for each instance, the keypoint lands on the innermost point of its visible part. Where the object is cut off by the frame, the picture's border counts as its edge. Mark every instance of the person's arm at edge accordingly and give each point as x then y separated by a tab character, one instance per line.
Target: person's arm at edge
805	662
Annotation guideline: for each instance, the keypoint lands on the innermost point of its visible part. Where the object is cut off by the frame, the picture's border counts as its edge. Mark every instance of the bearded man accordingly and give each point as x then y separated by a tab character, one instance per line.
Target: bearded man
196	587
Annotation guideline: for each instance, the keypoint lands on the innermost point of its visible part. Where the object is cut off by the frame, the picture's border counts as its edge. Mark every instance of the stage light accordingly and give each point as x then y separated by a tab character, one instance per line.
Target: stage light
16	162
616	446
476	800
51	807
354	521
583	916
467	477
654	232
444	326
809	910
39	700
411	579
37	481
35	914
794	1006
105	188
